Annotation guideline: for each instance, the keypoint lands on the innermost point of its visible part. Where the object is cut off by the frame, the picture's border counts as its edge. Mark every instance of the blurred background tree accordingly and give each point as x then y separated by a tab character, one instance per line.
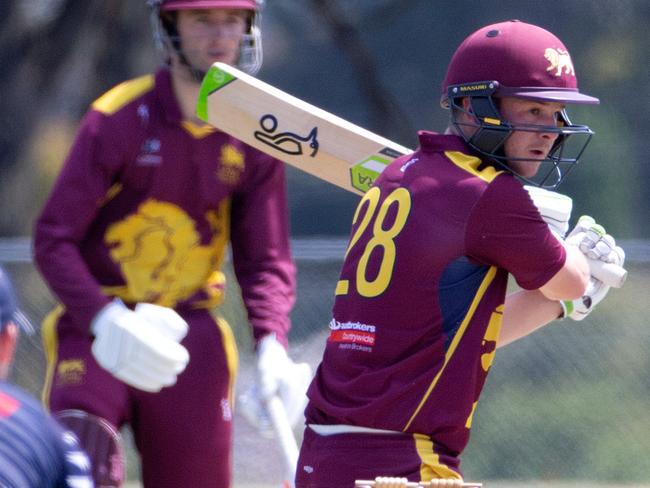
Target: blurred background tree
378	63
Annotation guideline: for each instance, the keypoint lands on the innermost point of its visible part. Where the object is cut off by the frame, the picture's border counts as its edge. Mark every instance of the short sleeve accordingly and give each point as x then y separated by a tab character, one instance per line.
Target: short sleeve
506	230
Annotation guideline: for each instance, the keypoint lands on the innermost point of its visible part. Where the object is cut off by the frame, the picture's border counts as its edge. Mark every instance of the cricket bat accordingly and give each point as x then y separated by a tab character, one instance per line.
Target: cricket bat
309	138
293	131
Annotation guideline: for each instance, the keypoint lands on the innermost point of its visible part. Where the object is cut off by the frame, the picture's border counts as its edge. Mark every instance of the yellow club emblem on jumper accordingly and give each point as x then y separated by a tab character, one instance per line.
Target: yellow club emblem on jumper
71	372
559	62
232	164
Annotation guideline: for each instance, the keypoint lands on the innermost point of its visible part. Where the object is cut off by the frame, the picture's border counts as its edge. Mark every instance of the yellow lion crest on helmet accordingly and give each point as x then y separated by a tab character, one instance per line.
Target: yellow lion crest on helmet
559	61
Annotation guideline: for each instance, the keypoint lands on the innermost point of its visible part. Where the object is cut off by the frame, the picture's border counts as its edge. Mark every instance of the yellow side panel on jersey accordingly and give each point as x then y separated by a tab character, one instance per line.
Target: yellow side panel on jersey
232	356
471	164
112	192
431	467
491	337
117	97
456	340
50	347
470	417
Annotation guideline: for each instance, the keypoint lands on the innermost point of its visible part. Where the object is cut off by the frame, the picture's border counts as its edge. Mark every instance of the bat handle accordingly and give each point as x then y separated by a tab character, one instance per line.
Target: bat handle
609	273
285	436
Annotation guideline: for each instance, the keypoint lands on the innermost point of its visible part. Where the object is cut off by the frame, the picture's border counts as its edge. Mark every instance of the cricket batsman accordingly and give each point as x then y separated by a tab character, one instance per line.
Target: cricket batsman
421	304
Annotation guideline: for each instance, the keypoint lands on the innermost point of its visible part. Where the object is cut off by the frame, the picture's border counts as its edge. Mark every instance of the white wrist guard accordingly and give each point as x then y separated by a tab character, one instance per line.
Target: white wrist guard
276	375
583	306
555	208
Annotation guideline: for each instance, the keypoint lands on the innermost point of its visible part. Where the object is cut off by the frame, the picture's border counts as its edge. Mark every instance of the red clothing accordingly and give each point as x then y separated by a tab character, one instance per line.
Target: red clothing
183	433
336	461
144	207
143	210
420	298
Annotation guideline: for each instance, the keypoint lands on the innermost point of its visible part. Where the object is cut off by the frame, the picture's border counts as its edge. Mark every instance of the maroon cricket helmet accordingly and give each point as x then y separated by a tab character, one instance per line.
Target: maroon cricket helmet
167	5
525	60
169	42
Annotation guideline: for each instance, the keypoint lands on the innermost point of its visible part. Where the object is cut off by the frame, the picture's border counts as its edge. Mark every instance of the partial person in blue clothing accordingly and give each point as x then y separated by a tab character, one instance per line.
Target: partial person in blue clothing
35	451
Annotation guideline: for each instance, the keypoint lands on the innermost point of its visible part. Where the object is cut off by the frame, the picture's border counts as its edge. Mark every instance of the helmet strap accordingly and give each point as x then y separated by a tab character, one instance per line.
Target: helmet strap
488	132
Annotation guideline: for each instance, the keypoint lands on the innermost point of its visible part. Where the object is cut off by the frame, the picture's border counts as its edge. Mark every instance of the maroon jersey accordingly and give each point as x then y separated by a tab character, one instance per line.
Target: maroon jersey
145	206
420	298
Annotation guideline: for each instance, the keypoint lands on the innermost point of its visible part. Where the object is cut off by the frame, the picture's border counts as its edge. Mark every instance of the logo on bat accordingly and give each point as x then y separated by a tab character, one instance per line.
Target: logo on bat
286	142
364	173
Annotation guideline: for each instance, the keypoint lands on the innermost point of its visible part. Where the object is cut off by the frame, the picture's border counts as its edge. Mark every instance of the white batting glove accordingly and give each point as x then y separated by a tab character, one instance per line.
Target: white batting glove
142	347
555	208
578	309
594	242
276	374
169	322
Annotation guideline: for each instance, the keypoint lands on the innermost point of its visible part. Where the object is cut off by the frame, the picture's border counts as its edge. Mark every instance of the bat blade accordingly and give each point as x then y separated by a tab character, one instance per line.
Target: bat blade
302	135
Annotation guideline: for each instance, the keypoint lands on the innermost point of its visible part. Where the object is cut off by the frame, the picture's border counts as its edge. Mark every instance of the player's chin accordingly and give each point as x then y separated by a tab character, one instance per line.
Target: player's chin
530	168
226	58
526	167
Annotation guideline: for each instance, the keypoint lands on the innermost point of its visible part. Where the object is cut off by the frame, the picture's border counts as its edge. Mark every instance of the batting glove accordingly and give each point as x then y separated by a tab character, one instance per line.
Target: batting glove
276	374
580	308
554	208
594	242
142	347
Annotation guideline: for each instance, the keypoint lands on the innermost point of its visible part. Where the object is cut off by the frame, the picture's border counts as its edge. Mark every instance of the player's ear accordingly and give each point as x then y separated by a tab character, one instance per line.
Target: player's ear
464	109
